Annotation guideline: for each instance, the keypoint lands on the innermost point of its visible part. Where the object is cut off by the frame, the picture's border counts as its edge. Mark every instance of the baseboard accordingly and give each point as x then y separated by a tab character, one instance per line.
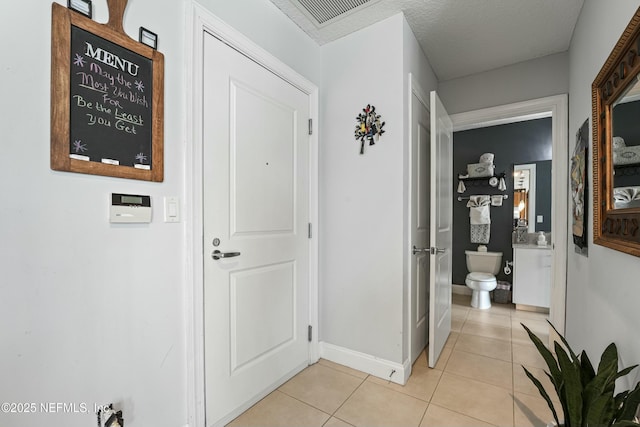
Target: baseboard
532	308
375	366
460	289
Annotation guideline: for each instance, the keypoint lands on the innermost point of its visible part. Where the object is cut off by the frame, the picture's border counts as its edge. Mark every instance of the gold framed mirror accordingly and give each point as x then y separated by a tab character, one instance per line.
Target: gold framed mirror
616	144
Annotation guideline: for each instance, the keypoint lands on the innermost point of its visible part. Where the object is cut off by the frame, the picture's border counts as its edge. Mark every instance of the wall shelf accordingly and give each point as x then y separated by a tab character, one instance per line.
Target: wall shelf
483	178
482	181
627	170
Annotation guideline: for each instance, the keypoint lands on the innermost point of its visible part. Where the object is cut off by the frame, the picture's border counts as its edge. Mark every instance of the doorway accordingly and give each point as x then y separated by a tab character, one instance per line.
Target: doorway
555	107
206	29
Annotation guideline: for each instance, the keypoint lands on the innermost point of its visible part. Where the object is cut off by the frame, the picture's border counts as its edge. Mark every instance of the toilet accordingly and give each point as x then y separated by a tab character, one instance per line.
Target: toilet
482	266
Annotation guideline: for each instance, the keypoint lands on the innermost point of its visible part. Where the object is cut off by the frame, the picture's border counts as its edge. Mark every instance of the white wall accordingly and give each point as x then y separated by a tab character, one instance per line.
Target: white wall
361	197
363	279
267	26
603	289
524	81
92	312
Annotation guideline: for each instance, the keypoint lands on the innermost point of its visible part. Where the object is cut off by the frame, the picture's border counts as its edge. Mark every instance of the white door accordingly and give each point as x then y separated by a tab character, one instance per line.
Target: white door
420	213
441	229
255	213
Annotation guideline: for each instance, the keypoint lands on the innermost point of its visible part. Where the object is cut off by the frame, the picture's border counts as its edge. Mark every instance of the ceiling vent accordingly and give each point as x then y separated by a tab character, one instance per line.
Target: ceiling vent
324	12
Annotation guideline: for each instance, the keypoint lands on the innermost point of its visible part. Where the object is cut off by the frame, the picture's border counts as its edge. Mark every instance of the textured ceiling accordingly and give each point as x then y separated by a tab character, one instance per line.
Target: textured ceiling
460	37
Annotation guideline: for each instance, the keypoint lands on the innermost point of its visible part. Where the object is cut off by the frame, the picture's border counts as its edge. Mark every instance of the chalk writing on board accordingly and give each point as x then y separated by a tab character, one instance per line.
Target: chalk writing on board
110	102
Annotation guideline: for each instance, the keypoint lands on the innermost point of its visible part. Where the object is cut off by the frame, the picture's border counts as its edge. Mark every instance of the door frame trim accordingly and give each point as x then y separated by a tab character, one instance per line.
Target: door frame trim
555	107
199	22
414	89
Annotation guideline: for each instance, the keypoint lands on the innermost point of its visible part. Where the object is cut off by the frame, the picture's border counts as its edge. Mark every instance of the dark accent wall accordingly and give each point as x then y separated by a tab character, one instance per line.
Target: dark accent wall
543	195
514	143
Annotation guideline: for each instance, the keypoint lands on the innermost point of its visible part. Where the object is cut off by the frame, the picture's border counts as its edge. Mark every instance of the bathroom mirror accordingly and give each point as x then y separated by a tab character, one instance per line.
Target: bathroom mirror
524	196
616	143
626	148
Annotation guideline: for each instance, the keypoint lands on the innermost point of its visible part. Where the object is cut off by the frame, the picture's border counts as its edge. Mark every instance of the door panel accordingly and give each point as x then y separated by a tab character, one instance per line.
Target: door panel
251	340
255	211
263	160
420	214
441	229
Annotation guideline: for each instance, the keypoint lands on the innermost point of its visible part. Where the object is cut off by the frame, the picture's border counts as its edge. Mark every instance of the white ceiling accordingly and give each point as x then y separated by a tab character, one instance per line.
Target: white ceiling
460	37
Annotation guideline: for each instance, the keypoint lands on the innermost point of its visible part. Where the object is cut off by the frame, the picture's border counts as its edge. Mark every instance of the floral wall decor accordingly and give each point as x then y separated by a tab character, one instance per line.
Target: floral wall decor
369	127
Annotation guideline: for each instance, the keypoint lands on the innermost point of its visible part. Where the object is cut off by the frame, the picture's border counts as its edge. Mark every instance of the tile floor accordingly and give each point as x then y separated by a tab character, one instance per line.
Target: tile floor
478	381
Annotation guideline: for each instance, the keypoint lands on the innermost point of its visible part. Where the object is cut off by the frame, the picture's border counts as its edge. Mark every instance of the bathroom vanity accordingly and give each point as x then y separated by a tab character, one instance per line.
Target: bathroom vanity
531	275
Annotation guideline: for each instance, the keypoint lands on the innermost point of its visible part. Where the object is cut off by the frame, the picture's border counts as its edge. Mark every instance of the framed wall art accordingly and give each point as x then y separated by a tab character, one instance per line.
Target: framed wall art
580	188
107	98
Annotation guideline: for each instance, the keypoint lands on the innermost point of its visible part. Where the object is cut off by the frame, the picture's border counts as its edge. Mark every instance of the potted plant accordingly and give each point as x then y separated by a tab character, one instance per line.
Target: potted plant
586	395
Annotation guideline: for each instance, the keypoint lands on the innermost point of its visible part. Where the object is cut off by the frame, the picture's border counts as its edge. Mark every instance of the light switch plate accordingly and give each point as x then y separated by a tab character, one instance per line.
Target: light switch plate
539	219
171	209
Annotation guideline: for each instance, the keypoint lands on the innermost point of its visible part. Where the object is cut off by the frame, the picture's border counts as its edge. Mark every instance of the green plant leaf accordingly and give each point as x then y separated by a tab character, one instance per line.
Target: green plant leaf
587	374
586	396
604	381
625	423
620	374
573	386
609	361
556	375
600	412
564	341
587	371
598	386
543	393
630	404
624	372
620	399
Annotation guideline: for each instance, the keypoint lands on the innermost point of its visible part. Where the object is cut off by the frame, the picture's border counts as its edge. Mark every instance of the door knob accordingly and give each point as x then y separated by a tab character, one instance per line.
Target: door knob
419	250
218	255
435	250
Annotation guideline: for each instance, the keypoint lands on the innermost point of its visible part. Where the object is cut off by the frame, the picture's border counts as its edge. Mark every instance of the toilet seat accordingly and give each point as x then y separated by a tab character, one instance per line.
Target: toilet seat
481	277
481	284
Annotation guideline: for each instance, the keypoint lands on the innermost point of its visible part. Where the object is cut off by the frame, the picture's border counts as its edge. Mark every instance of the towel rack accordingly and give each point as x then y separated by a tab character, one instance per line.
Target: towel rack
504	196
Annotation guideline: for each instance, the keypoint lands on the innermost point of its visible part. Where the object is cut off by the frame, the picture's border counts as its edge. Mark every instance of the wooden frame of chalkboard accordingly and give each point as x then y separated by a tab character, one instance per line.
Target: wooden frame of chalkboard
107	98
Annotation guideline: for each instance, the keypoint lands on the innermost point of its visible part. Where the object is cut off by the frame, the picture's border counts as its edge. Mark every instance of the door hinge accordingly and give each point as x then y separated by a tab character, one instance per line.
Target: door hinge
310	231
310	126
310	333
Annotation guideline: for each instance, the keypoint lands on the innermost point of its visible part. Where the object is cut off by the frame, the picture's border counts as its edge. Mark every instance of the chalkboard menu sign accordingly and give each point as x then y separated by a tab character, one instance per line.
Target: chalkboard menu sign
106	98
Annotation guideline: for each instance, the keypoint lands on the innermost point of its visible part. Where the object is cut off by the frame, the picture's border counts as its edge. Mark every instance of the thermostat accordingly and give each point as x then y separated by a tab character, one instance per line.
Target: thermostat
129	208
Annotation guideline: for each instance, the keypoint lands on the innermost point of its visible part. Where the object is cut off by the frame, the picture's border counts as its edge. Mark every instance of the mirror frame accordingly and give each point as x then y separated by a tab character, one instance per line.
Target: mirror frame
617	229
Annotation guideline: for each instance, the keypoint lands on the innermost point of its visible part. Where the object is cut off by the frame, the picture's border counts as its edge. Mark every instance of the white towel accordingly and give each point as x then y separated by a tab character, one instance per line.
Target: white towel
479	209
626	194
480	170
461	187
502	186
480	215
487	158
496	200
478	200
618	143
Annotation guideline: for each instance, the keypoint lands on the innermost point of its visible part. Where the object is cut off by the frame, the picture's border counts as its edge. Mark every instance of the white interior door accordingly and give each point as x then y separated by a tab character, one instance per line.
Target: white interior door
420	215
256	210
441	229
